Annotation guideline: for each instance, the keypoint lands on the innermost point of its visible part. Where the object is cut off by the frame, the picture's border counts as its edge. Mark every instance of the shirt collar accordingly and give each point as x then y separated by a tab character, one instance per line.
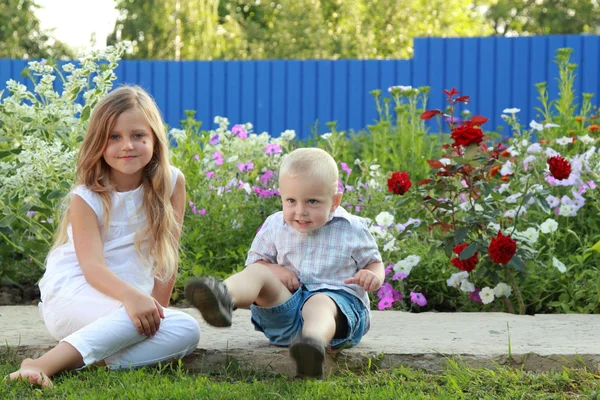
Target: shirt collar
339	212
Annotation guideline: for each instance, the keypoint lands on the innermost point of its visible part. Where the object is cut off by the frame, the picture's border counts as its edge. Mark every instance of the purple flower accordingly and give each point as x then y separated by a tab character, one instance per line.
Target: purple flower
272	148
191	203
31	213
210	174
453	120
340	187
384	290
345	168
264	179
264	193
396	295
349	188
214	140
218	158
202	211
586	186
399	276
245	167
197	157
474	295
418	299
389	268
239	131
385	302
357	208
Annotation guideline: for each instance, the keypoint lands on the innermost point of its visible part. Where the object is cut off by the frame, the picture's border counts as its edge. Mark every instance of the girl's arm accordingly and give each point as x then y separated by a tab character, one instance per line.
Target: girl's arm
162	290
141	308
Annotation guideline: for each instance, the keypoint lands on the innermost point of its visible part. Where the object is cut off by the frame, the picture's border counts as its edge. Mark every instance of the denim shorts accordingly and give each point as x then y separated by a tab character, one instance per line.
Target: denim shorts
283	322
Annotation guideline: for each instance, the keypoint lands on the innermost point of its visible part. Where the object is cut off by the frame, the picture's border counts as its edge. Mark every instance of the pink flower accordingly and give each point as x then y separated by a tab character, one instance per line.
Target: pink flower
418	299
399	276
202	212
389	268
264	179
31	213
197	157
384	290
214	140
218	158
384	303
191	203
474	295
245	167
345	168
210	174
340	187
272	148
239	131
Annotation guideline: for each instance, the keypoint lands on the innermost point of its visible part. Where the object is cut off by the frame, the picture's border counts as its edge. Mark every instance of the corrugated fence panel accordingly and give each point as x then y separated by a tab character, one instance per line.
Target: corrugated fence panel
275	95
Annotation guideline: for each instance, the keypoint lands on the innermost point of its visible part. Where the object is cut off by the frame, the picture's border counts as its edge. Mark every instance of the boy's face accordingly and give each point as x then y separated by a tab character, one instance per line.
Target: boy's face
307	203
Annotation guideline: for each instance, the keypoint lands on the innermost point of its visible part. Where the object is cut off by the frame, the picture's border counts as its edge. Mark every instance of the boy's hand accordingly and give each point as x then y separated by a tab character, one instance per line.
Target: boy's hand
287	277
367	279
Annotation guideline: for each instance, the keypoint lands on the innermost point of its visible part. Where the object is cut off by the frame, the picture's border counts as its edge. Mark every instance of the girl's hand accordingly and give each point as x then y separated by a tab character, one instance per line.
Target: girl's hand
367	279
287	277
145	312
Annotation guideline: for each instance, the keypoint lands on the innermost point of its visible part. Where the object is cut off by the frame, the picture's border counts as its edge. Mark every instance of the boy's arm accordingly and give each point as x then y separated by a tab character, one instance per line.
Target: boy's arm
285	276
162	290
370	277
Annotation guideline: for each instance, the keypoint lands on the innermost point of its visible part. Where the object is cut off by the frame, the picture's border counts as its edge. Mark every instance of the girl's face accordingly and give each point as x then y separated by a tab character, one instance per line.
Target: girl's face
306	203
129	149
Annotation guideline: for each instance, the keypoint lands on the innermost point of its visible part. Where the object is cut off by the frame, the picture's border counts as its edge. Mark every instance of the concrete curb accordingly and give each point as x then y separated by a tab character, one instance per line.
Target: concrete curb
426	341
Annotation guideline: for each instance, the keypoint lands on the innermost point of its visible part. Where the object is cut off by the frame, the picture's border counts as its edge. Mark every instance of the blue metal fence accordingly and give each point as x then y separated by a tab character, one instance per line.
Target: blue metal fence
276	95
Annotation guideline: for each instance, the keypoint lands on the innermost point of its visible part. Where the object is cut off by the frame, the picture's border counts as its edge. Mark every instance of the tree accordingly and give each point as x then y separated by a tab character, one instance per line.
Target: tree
543	17
21	35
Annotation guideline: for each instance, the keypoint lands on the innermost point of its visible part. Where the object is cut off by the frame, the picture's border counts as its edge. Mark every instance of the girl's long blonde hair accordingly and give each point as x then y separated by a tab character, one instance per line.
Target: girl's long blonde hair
94	173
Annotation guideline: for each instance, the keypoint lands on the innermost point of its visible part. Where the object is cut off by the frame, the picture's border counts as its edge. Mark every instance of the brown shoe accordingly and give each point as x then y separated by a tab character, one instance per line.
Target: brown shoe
309	354
210	297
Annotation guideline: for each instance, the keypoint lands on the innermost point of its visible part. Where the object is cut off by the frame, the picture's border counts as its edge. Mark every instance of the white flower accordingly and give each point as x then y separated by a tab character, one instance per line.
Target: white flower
466	112
549	226
511	110
377	231
384	218
456	279
550	152
467	286
502	290
374	167
247	188
494	227
559	265
513	213
513	198
288	135
503	188
536	125
412	260
587	139
389	245
235	224
507	169
530	235
403	267
527	160
445	161
563	141
567	210
551	125
326	136
486	295
534	148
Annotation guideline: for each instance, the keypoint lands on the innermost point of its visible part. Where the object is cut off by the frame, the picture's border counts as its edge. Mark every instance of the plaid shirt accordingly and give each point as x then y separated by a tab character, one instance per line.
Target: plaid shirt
323	258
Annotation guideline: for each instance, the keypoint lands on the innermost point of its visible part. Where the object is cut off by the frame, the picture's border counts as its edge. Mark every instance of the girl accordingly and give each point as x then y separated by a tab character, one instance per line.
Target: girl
111	271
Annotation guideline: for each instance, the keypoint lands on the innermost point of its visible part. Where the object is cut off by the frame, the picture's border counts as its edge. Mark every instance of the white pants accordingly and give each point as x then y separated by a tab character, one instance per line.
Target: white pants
100	329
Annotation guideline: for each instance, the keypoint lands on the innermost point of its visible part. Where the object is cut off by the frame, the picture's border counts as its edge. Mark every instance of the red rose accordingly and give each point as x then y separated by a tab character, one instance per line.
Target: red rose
502	248
466	134
399	183
559	167
464	265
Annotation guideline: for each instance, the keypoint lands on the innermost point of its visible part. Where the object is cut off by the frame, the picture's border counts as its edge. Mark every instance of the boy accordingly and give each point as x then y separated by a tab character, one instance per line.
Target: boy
307	272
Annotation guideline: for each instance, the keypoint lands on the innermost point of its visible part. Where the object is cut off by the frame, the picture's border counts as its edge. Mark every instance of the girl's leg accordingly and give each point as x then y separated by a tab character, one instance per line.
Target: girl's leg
107	336
177	337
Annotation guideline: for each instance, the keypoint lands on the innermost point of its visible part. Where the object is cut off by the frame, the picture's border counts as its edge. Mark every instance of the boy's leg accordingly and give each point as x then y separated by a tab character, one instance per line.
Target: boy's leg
216	300
321	319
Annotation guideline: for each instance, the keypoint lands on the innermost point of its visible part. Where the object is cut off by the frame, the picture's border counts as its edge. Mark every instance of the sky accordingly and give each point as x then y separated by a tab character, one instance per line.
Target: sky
74	21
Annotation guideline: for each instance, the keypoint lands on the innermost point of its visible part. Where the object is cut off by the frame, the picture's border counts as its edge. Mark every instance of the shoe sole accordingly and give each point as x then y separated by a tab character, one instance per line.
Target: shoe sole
309	360
201	296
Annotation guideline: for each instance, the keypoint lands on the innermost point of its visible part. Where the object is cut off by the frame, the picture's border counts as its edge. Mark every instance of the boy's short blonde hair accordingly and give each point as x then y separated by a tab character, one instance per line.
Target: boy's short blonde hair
311	163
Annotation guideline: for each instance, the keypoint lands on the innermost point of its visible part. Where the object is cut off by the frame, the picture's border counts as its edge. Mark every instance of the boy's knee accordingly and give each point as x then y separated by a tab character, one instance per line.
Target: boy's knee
320	302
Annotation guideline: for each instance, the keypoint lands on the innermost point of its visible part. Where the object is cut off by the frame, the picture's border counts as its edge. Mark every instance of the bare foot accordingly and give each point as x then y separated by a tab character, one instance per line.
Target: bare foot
31	372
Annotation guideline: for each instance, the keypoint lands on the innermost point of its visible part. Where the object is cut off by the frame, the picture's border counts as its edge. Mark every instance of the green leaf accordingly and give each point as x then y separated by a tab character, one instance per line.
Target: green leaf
543	204
56	194
460	235
85	113
7	221
5	138
468	252
517	264
596	247
7	153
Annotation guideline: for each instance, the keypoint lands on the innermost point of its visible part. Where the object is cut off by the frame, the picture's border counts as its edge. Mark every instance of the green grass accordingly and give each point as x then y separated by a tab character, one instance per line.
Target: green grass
172	382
